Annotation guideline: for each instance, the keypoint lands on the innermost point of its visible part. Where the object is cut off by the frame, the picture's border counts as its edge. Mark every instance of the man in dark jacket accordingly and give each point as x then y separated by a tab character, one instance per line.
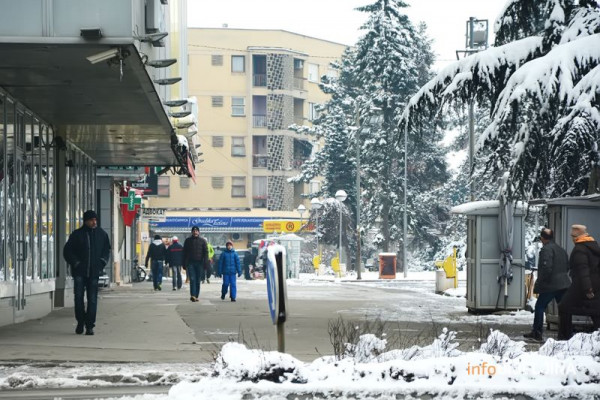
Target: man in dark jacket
585	288
87	252
157	252
229	266
175	261
195	259
552	279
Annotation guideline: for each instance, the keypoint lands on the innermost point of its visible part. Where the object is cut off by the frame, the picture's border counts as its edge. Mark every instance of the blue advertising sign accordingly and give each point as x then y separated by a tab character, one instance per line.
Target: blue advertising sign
209	223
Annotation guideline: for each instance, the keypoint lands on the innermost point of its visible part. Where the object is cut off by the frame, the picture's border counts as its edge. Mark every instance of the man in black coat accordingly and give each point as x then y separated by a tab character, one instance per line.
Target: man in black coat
195	259
552	279
87	252
157	252
585	288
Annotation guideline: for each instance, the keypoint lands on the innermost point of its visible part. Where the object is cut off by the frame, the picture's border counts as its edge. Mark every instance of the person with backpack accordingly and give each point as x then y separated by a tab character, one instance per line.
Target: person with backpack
175	261
229	266
157	252
585	287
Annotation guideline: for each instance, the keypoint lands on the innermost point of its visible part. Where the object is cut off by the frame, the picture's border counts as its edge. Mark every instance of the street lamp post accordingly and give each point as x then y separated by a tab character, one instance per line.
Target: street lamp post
316	204
340	196
301	209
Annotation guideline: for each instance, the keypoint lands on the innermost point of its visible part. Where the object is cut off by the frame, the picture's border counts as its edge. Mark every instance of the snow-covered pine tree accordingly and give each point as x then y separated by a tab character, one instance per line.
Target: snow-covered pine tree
393	59
542	82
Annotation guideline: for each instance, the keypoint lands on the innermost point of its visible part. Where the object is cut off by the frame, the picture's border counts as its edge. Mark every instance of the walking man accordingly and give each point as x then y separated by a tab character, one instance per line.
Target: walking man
585	288
195	258
229	266
552	280
157	252
87	252
175	261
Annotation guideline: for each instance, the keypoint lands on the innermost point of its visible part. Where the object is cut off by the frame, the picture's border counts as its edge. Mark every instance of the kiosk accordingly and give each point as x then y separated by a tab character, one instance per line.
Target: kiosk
486	290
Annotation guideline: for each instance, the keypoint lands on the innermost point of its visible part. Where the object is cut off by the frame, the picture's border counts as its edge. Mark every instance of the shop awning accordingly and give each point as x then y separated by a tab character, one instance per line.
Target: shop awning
116	118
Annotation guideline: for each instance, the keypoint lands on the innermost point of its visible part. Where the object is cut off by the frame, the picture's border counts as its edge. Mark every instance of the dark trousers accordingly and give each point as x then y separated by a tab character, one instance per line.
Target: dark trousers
90	287
157	273
540	307
572	299
193	271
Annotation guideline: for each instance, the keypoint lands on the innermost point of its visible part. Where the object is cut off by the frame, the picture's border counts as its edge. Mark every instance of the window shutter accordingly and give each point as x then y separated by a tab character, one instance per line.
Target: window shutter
218	182
217	101
217	141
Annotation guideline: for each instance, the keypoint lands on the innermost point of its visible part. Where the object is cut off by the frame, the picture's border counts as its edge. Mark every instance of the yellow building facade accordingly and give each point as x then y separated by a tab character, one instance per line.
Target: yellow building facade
250	86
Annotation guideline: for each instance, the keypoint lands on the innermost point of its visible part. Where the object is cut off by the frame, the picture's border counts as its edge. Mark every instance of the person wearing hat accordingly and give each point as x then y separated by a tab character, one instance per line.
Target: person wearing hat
87	251
584	269
175	261
157	252
195	259
229	266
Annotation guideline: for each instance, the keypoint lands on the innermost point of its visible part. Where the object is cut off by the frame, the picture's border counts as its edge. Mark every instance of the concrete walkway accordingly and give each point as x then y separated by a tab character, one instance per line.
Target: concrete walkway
137	324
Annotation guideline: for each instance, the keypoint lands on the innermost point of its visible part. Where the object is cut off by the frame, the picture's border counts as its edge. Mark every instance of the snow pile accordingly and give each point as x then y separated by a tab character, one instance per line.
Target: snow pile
500	367
74	375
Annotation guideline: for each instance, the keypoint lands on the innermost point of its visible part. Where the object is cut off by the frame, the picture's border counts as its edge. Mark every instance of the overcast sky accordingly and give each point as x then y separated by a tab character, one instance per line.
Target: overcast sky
336	20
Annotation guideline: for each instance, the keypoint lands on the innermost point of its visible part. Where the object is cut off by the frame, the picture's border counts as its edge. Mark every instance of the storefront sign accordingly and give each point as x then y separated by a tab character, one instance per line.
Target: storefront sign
285	226
212	223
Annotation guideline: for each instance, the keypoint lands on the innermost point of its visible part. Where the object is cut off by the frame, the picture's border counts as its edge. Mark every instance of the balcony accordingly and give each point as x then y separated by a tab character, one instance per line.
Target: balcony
259	80
299	83
259	201
260	160
259	121
297	162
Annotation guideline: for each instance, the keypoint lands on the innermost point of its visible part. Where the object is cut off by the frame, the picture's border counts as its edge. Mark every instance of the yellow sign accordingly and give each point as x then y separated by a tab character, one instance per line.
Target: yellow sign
285	226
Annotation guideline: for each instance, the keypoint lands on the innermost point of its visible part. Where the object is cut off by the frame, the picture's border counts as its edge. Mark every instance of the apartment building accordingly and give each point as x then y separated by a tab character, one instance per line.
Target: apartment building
250	86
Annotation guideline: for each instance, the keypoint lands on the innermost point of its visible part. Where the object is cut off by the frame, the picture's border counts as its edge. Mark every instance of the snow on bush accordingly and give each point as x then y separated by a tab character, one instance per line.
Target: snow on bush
367	349
498	344
581	344
238	362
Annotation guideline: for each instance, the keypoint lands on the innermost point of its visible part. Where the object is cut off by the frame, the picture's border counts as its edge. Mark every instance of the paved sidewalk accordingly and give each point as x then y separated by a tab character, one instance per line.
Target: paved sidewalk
137	324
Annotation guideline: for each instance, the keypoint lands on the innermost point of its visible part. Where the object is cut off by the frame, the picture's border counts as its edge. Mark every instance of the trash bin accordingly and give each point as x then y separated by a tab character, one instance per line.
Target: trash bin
387	265
442	283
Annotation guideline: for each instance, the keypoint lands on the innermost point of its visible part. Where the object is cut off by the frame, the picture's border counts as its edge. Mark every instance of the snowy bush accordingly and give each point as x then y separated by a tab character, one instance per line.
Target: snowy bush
582	344
498	344
367	349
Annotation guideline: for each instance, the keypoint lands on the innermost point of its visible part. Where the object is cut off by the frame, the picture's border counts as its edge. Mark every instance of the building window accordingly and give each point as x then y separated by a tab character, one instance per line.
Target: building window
238	147
217	101
218	182
238	64
163	186
313	112
217	141
238	186
314	187
217	59
313	73
259	192
184	182
238	106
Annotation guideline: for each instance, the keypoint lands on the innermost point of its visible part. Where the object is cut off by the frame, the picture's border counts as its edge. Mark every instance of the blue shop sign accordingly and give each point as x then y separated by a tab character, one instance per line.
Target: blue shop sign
212	222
